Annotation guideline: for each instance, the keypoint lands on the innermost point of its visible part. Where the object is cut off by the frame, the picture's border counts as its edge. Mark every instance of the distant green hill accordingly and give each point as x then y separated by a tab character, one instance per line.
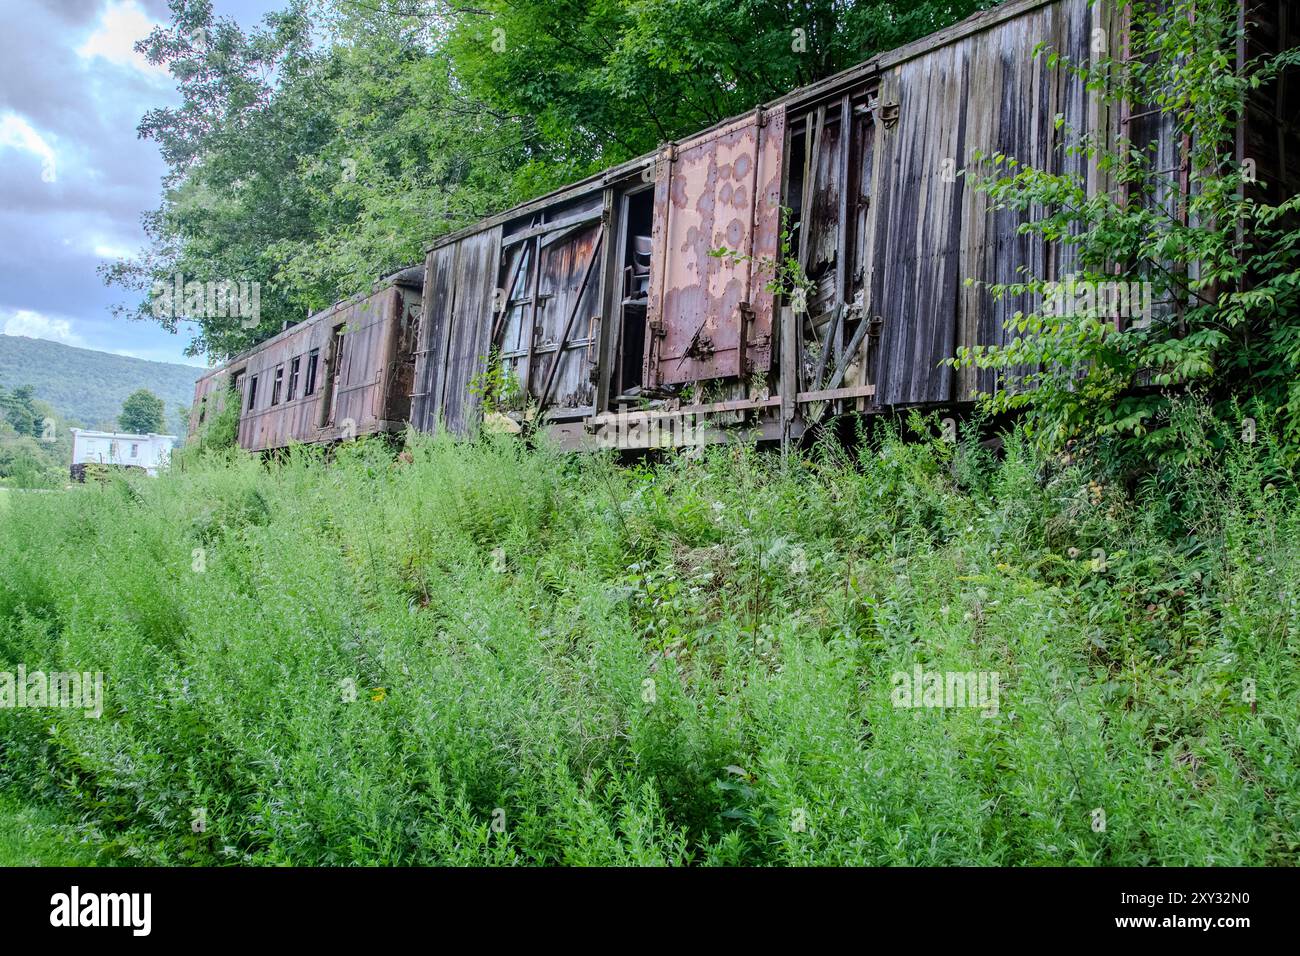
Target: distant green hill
88	387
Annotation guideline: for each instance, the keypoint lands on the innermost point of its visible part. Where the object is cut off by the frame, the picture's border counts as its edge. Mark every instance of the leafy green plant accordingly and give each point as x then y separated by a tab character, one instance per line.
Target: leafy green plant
493	653
497	387
219	430
788	278
1220	261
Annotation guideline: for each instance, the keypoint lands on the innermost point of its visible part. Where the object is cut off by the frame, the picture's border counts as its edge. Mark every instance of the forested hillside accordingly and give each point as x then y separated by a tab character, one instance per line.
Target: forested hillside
88	388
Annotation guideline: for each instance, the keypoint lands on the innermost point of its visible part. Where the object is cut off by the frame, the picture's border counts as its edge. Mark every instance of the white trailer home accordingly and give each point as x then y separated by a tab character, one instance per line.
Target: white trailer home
149	452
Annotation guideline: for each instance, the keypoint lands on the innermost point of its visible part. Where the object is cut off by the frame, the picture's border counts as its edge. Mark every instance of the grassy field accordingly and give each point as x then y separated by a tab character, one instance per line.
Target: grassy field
491	655
37	836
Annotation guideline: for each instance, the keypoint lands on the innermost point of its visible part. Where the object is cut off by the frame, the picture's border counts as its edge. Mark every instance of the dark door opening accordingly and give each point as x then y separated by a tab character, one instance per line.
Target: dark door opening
333	370
638	218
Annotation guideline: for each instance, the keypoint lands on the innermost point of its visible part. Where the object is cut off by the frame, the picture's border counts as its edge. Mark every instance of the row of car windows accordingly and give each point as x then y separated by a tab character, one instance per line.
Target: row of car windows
277	380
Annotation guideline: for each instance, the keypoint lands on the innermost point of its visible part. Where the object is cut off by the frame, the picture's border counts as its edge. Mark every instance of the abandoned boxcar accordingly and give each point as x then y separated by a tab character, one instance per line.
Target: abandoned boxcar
603	312
344	372
605	308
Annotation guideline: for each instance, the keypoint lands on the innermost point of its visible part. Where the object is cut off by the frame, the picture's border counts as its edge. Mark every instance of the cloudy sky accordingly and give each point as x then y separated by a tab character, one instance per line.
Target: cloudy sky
74	178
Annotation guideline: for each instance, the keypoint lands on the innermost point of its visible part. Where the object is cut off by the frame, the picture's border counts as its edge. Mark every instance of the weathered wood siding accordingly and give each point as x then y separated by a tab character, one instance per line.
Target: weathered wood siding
548	322
933	230
1271	138
371	392
209	398
460	284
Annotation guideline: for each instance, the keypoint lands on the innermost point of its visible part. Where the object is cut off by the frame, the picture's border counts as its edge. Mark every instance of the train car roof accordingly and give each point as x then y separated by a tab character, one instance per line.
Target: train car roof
803	96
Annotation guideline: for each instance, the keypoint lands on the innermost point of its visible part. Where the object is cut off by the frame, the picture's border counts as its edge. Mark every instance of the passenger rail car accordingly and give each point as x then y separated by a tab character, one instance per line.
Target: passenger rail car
344	372
605	310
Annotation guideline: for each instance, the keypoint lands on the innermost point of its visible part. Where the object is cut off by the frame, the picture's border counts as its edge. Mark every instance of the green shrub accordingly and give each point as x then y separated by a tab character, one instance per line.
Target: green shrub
494	655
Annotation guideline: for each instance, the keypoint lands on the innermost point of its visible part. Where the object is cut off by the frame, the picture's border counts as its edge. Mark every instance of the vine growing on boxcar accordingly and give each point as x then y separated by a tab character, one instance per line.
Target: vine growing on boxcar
1183	278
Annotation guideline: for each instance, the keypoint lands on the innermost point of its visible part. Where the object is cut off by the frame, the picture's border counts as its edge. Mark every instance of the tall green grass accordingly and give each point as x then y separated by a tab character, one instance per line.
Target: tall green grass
495	655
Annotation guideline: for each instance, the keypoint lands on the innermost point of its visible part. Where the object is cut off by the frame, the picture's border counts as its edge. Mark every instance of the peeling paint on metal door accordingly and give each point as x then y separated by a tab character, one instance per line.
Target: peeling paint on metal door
709	316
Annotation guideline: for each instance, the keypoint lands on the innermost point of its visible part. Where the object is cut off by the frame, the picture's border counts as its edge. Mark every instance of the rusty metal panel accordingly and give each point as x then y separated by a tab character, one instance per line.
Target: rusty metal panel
766	246
708	197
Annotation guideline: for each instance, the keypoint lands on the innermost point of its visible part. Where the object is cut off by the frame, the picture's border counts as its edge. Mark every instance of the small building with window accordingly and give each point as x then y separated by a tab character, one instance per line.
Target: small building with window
148	452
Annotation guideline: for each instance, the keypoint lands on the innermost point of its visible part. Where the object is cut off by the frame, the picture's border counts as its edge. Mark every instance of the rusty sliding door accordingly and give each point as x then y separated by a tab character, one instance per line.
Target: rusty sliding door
711	317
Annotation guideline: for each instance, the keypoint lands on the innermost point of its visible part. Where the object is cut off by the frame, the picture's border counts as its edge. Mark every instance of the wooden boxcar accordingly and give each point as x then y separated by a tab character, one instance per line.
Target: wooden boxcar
604	304
601	311
344	372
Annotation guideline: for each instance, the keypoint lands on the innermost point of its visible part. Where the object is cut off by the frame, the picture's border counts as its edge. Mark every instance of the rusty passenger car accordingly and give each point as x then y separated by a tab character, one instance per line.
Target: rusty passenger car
603	309
344	372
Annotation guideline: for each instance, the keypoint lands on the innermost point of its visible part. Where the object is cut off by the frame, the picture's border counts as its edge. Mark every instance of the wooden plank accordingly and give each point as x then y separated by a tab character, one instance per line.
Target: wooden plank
530	334
476	272
507	292
566	222
608	350
842	265
824	355
736	405
435	326
568	325
854	344
789	376
831	394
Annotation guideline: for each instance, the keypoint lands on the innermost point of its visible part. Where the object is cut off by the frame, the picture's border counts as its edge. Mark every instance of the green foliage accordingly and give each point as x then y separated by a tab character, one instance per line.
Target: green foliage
87	388
1227	326
21	412
374	661
605	80
496	388
35	446
326	146
142	413
219	429
788	277
34	835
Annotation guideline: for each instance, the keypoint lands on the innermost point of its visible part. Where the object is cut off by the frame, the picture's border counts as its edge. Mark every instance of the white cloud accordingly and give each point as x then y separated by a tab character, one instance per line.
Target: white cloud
17	133
106	250
122	23
34	325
